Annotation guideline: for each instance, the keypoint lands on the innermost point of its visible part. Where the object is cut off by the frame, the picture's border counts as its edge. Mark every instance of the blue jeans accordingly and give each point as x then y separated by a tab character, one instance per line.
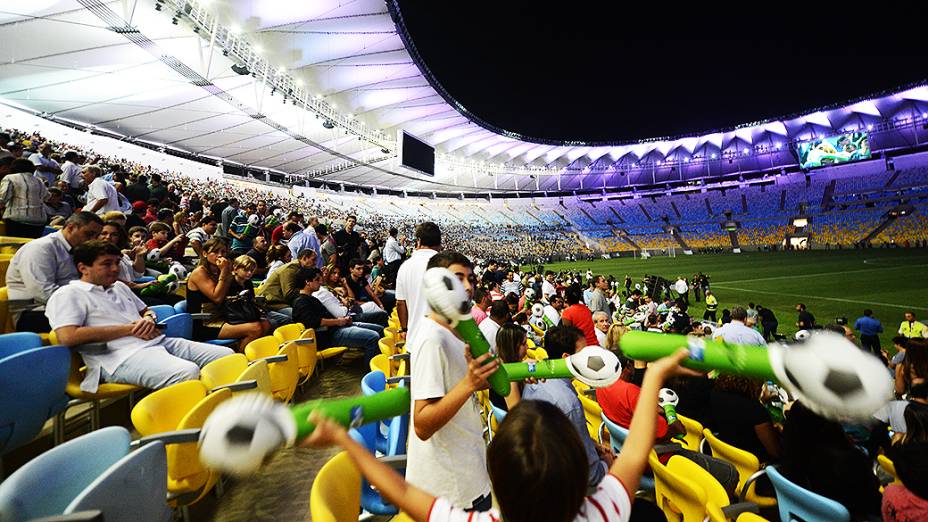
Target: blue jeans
359	335
373	318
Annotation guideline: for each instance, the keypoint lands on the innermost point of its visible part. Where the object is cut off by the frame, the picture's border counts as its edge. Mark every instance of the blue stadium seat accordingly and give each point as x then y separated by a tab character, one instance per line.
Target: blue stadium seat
49	483
181	307
12	343
163	311
32	390
134	488
617	435
799	504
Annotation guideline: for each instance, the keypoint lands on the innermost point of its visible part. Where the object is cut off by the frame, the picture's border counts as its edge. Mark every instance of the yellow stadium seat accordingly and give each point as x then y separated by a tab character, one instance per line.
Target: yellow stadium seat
888	467
289	332
336	492
747	465
591	410
684	491
10	244
182	406
235	368
284	374
328	353
693	437
381	363
4	266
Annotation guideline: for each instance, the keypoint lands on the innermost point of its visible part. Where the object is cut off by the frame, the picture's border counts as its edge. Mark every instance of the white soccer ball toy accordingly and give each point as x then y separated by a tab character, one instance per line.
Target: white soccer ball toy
680	286
832	376
254	219
446	294
179	271
154	255
667	396
538	310
595	366
243	431
171	287
802	335
530	294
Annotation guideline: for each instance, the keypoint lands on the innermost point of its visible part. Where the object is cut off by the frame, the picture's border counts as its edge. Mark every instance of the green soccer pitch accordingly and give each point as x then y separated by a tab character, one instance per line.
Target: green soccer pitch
830	283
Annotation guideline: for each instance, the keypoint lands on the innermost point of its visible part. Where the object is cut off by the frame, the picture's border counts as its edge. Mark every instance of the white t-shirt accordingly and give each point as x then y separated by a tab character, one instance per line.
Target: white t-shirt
548	289
737	332
409	288
552	315
38	159
600	336
489	328
100	189
452	463
71	174
610	502
85	304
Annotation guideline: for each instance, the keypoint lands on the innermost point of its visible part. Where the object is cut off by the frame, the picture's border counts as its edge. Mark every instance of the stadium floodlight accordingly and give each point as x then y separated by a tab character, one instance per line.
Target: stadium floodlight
869	126
713	155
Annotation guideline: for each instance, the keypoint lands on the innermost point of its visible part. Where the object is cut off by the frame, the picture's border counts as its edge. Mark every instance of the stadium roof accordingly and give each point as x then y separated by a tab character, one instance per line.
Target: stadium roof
161	71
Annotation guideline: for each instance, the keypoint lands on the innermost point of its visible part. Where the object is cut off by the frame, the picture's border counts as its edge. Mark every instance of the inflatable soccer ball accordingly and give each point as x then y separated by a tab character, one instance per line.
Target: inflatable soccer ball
179	271
538	310
802	335
667	396
833	377
254	219
171	288
154	255
446	294
243	431
530	294
595	366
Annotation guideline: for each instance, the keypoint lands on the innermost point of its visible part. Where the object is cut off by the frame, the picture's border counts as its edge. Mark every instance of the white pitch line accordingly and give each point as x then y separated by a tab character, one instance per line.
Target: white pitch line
840	272
837	299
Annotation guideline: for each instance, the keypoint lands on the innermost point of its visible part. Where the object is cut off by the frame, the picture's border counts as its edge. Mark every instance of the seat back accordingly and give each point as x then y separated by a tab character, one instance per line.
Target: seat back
6	320
693	437
48	483
678	497
259	372
683	467
32	390
15	342
284	375
163	410
889	467
288	332
162	312
178	325
591	410
184	459
262	347
181	307
617	434
224	370
306	358
380	363
386	348
798	504
745	462
336	491
373	382
134	488
4	266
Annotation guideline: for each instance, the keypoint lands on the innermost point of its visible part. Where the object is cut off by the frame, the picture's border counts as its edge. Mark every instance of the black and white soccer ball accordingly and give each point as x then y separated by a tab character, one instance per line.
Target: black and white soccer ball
179	271
243	431
595	366
538	310
802	335
446	294
667	396
832	376
154	255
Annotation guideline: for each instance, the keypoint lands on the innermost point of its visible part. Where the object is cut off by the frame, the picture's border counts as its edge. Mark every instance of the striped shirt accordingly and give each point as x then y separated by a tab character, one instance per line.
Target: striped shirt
610	502
23	196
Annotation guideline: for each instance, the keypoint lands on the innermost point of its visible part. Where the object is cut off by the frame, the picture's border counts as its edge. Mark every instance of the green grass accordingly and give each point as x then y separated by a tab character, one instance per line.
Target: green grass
830	283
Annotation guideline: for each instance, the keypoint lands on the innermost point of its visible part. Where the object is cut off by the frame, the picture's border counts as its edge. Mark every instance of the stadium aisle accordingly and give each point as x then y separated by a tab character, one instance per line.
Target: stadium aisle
280	491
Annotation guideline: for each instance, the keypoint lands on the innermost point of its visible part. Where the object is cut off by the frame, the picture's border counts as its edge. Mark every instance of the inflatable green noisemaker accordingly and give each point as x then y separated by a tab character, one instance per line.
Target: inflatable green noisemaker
828	373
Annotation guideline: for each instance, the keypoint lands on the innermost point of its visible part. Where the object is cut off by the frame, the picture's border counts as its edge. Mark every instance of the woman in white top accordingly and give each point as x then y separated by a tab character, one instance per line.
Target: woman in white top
22	198
277	256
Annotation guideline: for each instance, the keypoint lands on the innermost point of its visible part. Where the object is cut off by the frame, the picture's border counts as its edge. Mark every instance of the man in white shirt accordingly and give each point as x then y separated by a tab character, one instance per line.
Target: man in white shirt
601	326
446	450
411	305
547	288
128	346
736	332
46	168
553	310
101	196
393	253
71	170
42	266
499	315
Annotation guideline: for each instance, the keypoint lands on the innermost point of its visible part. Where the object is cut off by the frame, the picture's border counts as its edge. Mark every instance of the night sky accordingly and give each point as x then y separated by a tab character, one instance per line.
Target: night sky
594	75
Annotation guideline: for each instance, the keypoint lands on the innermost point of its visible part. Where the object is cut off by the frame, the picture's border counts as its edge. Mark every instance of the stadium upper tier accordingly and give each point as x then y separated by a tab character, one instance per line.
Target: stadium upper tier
318	91
844	205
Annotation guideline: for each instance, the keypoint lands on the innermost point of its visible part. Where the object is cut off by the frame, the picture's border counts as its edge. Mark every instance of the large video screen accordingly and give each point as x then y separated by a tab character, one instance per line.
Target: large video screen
842	148
417	155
